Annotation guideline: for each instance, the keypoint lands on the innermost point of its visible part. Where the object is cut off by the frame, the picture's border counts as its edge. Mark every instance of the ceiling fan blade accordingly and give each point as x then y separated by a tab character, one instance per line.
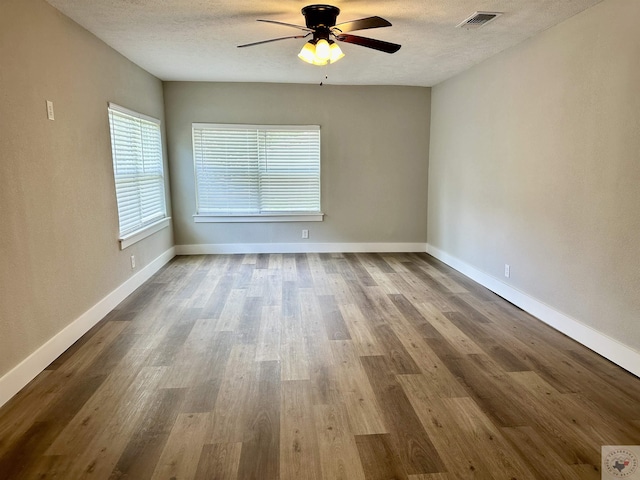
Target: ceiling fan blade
362	24
287	25
272	40
386	47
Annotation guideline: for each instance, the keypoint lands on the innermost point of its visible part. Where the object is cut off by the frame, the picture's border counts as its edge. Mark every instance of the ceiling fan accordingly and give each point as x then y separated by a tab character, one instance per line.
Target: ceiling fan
321	23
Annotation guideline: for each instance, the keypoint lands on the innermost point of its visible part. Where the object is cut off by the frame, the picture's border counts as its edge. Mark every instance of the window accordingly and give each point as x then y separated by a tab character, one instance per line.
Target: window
136	148
256	173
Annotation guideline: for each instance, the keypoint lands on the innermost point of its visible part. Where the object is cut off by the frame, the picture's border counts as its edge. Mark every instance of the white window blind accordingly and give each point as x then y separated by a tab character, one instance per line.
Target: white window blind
136	147
256	170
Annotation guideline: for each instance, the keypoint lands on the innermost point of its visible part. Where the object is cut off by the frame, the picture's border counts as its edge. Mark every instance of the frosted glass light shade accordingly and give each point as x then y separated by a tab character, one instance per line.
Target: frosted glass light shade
308	52
323	51
335	53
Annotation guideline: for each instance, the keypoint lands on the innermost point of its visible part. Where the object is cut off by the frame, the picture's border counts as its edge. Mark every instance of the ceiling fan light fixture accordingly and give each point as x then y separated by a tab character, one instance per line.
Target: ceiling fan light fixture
320	22
308	53
335	53
323	50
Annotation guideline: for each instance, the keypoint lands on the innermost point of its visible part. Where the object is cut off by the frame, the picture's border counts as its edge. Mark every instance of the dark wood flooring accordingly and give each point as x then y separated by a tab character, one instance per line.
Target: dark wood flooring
318	366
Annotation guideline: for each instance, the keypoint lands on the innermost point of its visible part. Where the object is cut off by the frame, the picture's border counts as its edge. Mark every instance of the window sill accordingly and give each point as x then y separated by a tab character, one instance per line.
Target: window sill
287	217
147	231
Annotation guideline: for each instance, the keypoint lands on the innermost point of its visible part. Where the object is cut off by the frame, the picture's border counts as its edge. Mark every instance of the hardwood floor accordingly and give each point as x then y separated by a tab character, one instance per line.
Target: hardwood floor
318	366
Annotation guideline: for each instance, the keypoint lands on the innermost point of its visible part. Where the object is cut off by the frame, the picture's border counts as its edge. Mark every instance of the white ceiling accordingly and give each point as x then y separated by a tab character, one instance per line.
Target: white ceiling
195	40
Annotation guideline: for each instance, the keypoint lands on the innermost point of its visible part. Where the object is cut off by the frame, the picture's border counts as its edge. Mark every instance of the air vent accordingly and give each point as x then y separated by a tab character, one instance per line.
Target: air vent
478	19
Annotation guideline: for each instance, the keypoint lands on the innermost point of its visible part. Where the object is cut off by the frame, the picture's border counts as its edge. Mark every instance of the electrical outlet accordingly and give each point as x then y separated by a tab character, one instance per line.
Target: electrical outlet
507	270
305	233
133	262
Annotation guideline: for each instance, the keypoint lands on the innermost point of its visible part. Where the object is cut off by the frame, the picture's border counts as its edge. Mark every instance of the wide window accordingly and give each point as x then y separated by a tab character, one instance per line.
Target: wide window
136	148
257	172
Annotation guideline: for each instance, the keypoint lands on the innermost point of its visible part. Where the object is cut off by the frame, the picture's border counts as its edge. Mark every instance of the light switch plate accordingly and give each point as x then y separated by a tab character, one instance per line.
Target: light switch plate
50	114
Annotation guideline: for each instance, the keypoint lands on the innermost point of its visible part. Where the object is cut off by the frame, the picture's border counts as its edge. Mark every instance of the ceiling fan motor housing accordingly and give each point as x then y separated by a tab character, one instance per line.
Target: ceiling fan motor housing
320	16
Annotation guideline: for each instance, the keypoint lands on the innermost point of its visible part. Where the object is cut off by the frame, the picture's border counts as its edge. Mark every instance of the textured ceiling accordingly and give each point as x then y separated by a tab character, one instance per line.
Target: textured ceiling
195	40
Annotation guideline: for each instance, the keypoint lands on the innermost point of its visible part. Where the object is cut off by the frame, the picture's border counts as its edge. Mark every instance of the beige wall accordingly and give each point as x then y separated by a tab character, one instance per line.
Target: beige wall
375	143
535	162
59	253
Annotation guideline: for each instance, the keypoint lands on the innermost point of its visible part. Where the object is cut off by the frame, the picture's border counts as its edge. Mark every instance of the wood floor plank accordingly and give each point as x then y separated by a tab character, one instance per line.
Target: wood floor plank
236	397
242	277
317	347
448	330
441	381
181	453
444	278
334	323
495	452
339	288
379	309
470	311
562	412
232	311
16	457
312	316
140	456
353	389
201	362
426	278
249	324
359	331
164	352
434	476
304	278
219	461
318	366
476	289
262	261
374	261
21	412
258	283
542	462
49	386
218	297
104	406
200	296
399	359
414	447
93	452
606	370
85	356
321	284
268	347
260	457
587	472
289	273
459	454
359	270
293	350
379	459
386	282
299	454
275	262
338	455
414	317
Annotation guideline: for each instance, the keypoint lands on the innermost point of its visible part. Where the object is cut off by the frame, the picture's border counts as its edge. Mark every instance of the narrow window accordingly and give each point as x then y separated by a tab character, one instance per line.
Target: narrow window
138	168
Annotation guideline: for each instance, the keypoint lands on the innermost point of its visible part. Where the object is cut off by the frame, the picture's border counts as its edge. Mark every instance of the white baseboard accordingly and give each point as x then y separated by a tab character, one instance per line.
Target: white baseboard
612	349
230	248
13	381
